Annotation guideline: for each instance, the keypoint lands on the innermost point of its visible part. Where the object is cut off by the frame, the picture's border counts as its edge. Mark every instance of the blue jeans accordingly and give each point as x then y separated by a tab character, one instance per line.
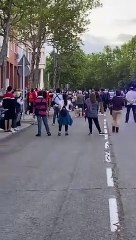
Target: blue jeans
56	113
45	121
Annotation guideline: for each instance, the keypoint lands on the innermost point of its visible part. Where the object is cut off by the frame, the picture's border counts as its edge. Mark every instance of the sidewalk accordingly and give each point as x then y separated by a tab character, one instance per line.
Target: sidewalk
25	123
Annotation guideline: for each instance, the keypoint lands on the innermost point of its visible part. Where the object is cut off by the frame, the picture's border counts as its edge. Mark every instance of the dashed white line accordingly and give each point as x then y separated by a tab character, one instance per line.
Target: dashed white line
110	181
114	218
105	131
106	136
107	157
107	145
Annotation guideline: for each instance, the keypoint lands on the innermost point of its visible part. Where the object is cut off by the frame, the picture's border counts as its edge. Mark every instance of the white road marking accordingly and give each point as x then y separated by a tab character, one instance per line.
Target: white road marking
110	181
106	136
107	145
107	157
114	218
105	121
105	131
105	127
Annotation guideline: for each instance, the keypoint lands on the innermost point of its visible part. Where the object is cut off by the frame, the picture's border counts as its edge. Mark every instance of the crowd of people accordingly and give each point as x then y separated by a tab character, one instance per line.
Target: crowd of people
12	104
89	104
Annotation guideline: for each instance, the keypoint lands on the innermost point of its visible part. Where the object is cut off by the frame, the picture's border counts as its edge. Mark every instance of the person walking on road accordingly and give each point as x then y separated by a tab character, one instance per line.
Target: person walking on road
64	116
80	101
41	112
57	101
91	113
116	105
131	103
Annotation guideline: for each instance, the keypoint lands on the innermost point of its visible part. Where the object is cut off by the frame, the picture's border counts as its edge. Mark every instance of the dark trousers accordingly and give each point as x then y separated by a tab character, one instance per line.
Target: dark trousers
45	121
31	106
60	128
129	107
105	105
96	122
56	113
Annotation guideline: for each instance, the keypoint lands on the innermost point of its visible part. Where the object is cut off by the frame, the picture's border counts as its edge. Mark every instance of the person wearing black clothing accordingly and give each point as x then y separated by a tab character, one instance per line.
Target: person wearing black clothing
117	104
10	105
105	96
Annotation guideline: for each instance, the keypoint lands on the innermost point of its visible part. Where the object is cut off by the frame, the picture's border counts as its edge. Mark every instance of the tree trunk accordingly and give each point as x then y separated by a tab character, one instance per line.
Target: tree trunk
4	51
55	70
32	66
37	72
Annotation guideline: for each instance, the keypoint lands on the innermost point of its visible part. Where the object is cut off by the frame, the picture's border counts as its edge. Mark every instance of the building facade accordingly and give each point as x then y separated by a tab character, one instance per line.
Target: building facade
11	68
14	55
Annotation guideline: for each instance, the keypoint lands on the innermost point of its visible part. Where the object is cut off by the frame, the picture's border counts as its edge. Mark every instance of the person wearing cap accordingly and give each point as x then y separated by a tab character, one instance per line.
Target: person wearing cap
131	103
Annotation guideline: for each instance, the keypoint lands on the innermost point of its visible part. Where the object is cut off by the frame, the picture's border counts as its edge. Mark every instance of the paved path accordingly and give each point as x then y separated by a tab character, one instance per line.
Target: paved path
123	150
56	188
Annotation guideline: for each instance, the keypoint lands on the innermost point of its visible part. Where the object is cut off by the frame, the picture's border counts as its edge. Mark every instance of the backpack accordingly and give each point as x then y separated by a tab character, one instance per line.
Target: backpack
53	102
63	112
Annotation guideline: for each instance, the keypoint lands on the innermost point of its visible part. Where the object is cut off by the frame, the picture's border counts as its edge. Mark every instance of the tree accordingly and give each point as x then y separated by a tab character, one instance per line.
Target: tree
71	68
69	20
11	12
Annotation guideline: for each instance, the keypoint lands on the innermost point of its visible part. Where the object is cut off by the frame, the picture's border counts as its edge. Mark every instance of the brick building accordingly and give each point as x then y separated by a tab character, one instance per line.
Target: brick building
15	53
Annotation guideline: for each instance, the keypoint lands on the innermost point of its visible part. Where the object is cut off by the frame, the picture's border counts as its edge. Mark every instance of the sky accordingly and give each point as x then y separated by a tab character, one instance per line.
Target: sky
113	24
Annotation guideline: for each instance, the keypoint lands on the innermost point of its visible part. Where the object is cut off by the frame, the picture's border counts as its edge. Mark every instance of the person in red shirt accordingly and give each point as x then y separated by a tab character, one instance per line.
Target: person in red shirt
41	112
32	98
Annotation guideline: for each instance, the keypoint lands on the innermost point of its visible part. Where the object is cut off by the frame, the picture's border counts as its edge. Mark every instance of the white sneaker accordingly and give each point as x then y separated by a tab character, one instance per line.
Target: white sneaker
16	129
12	130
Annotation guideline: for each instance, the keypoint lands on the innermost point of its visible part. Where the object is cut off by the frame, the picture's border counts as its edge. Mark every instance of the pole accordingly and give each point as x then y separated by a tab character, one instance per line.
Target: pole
48	80
23	86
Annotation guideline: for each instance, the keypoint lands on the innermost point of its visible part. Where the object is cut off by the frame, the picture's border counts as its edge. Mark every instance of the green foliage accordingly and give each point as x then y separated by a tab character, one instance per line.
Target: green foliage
108	69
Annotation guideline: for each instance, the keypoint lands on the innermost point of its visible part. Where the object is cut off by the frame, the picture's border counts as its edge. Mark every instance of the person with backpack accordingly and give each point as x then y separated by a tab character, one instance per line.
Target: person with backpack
64	118
91	113
41	112
57	103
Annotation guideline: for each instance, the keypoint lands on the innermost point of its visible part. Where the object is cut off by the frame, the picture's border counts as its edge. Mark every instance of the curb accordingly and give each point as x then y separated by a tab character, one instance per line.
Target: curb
13	134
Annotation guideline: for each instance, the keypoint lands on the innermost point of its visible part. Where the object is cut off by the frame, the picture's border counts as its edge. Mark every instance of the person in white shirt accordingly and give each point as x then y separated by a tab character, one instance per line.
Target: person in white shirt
57	104
64	116
131	103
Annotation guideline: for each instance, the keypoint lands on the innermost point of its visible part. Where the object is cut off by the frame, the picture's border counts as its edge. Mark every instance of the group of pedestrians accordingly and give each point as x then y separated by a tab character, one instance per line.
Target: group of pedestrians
118	102
61	106
12	104
89	104
92	104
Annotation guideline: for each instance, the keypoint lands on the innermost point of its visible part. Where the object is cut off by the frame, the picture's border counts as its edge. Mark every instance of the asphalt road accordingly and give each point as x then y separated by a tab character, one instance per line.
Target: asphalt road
123	148
57	188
